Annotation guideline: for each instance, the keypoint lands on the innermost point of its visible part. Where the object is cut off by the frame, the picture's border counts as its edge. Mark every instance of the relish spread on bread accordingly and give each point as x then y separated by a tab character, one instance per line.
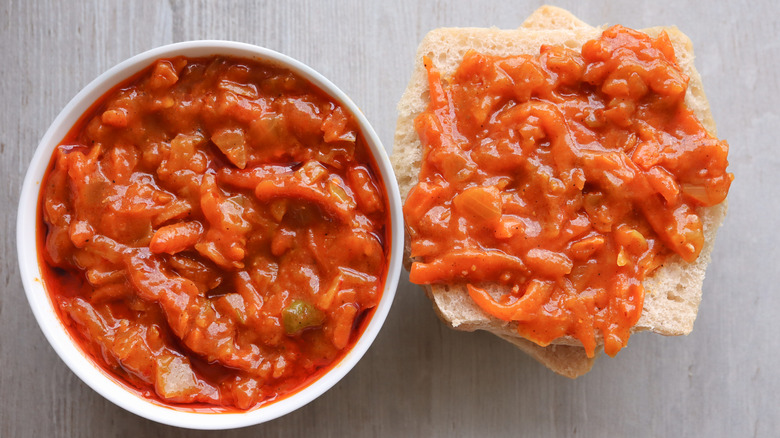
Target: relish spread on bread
558	172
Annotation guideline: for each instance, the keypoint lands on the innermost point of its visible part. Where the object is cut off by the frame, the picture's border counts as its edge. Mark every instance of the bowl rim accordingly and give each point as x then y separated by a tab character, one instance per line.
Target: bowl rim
43	307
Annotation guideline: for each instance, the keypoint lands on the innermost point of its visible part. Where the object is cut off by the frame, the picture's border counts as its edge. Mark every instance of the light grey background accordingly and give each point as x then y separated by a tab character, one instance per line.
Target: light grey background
419	378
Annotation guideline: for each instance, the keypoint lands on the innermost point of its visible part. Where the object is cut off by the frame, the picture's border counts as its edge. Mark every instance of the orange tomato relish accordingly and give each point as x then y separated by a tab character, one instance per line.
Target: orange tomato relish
566	178
215	233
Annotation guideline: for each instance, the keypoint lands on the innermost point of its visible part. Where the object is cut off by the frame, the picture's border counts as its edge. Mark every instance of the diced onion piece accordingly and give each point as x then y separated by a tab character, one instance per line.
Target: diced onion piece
630	238
663	182
622	257
80	233
311	172
480	203
509	226
326	299
176	209
335	128
343	317
338	191
183	153
697	192
646	154
246	90
420	200
233	304
278	208
233	144
164	75
175	380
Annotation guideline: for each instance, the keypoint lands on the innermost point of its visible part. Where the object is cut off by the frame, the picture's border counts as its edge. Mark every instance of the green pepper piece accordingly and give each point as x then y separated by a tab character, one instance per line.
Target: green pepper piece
300	315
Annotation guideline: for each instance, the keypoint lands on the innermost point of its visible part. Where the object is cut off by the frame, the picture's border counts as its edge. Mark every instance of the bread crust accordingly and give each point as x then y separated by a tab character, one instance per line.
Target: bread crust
672	293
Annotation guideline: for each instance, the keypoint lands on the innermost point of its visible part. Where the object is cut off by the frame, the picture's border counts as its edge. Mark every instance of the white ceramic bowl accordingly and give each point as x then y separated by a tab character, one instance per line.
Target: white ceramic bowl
43	308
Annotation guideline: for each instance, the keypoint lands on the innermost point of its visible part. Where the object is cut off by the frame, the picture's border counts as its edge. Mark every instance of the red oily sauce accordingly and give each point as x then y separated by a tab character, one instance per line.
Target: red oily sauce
565	179
214	232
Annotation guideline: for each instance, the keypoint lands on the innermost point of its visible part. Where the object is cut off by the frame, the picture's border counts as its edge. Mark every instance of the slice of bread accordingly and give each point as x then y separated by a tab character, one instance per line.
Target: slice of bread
672	294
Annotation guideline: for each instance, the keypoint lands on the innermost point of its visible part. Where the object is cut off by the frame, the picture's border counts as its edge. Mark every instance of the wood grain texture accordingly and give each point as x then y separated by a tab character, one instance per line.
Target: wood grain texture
419	378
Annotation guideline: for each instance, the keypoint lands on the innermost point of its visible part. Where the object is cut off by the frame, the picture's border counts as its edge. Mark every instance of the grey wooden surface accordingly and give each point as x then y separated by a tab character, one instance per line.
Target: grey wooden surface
419	378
